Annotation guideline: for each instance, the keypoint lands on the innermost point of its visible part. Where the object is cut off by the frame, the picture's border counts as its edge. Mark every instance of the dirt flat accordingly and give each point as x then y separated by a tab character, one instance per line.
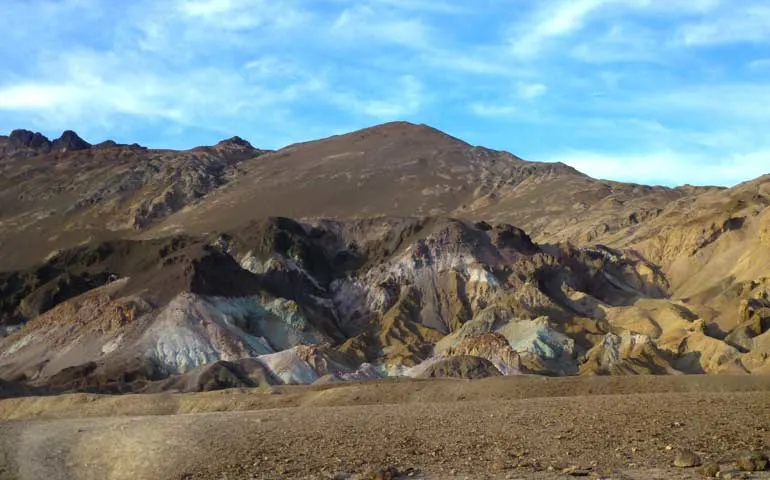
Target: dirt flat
392	391
498	428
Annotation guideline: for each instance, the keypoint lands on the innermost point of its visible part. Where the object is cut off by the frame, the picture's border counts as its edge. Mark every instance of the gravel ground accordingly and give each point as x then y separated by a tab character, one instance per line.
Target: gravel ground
611	436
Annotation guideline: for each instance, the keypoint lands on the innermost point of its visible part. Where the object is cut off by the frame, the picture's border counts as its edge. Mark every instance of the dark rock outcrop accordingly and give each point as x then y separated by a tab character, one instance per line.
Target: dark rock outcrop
26	143
69	141
464	366
26	139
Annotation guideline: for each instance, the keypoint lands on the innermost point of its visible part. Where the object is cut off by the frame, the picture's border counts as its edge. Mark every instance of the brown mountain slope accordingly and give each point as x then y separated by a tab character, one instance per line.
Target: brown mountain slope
392	169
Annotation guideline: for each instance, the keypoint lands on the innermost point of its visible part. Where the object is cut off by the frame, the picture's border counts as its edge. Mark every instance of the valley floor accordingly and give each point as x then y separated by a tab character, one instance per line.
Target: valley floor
516	427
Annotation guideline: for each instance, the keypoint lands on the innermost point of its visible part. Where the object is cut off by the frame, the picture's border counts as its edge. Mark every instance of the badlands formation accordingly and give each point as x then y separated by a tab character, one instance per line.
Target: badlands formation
385	254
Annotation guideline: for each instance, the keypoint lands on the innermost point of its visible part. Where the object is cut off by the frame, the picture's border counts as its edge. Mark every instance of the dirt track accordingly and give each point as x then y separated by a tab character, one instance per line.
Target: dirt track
512	433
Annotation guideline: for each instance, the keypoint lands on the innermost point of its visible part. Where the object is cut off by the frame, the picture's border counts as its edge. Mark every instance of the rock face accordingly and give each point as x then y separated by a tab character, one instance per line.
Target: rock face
340	300
129	269
628	353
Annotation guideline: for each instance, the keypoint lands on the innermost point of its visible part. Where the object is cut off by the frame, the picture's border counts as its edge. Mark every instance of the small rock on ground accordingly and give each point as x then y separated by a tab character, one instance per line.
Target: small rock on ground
686	459
386	473
576	471
709	470
753	462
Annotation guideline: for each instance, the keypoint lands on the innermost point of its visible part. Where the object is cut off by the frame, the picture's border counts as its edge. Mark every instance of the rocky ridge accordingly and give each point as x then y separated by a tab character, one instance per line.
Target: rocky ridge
28	143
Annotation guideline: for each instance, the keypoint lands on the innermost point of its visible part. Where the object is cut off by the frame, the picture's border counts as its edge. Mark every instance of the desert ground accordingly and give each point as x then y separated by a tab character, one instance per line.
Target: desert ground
499	428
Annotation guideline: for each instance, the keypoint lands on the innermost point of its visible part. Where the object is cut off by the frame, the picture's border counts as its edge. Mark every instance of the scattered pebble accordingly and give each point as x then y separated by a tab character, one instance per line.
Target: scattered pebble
734	475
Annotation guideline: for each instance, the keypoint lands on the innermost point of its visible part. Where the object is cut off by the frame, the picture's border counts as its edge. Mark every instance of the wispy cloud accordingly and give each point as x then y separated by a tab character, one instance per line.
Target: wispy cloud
530	91
364	22
402	99
554	20
429	6
760	64
619	43
736	101
242	14
492	110
517	104
748	23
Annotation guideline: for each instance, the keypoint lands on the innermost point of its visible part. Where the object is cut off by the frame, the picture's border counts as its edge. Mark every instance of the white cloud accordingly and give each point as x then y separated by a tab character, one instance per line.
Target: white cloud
479	63
760	64
493	110
673	7
431	6
556	19
668	167
83	93
621	42
745	102
206	8
748	22
363	23
271	66
509	106
241	15
530	91
33	96
94	87
566	19
403	98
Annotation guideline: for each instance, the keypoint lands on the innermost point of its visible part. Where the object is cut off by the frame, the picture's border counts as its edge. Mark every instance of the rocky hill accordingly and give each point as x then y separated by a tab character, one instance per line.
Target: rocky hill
62	193
395	250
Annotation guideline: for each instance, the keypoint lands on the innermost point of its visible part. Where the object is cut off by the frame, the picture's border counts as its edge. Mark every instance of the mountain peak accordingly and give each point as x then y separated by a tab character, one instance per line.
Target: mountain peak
408	129
236	141
27	139
69	141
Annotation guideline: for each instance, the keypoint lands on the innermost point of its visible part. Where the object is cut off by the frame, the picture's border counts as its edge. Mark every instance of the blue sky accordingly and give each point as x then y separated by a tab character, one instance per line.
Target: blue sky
653	91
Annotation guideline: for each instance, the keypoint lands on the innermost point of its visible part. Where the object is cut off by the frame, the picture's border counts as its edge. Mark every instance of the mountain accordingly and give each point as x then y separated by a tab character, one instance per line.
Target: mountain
393	250
395	169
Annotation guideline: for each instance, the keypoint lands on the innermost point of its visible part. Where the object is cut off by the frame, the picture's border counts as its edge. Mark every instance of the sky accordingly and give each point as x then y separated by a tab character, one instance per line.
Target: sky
651	91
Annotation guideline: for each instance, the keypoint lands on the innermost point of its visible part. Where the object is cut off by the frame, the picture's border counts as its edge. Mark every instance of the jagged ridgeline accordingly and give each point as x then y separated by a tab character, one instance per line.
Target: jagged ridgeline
392	251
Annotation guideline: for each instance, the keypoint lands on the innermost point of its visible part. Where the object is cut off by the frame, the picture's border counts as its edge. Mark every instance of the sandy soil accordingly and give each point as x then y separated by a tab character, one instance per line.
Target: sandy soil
527	428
